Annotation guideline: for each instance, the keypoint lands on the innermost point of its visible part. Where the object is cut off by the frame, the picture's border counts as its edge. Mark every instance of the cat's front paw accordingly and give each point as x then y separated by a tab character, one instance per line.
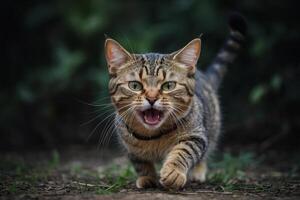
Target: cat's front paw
145	182
171	177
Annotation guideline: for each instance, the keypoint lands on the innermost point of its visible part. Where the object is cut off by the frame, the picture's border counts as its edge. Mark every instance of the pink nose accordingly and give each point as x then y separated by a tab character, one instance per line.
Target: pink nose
151	100
152	96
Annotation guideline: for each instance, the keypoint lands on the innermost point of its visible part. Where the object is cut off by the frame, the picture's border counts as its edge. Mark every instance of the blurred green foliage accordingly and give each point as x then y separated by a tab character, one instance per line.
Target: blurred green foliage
53	56
55	160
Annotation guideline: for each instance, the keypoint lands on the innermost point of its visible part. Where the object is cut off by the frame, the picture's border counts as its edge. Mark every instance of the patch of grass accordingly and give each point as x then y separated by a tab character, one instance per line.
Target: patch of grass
76	168
13	166
226	173
117	178
55	159
19	176
228	170
12	188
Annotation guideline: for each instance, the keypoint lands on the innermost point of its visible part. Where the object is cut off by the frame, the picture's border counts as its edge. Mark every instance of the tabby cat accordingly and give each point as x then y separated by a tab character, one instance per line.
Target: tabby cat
167	109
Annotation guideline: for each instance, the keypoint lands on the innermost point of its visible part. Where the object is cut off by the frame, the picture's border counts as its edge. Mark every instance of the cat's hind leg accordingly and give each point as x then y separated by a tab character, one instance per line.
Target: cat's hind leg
147	177
198	173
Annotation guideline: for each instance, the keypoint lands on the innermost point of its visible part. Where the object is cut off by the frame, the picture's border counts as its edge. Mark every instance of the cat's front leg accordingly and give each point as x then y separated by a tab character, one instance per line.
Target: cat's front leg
186	154
146	172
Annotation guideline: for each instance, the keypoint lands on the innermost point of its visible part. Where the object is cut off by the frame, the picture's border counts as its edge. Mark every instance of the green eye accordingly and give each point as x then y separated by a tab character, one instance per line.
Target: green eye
135	85
167	86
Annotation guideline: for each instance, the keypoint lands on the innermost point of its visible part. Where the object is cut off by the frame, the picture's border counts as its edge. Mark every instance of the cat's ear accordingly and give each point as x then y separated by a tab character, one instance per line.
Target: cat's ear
188	55
116	55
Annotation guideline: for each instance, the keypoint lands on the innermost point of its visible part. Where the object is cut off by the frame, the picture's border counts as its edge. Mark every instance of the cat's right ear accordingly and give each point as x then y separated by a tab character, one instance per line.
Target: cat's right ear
116	55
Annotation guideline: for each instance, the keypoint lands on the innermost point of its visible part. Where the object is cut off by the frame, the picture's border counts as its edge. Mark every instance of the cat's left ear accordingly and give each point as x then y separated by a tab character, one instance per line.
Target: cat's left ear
116	55
189	55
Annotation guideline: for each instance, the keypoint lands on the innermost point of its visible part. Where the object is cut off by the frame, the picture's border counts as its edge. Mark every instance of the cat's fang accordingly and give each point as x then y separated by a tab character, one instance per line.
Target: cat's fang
152	116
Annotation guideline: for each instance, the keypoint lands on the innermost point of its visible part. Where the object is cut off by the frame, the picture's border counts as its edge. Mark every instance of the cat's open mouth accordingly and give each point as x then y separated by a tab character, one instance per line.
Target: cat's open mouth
152	116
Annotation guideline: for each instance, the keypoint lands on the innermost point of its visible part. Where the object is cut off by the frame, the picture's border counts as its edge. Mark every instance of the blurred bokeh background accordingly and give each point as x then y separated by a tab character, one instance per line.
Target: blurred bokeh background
53	66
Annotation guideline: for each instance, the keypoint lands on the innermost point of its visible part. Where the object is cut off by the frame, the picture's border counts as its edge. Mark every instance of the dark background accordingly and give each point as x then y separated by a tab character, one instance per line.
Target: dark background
52	66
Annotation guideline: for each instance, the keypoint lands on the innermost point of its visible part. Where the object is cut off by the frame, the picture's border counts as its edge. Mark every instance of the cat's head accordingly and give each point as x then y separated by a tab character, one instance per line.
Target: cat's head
152	91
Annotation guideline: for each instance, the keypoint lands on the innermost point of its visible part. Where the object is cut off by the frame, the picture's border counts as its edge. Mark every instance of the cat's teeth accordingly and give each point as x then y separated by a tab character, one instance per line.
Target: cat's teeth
152	116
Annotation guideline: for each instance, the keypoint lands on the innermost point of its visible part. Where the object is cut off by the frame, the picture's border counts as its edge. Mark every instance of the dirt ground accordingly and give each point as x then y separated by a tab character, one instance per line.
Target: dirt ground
81	173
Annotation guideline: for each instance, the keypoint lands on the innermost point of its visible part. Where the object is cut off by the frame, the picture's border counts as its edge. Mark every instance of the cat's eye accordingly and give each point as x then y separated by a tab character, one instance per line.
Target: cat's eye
135	85
167	86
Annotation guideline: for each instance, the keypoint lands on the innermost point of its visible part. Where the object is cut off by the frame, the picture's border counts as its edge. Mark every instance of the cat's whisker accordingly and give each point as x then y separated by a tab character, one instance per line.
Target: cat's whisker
109	130
178	124
96	117
104	134
99	110
118	121
93	104
93	131
103	98
109	127
176	118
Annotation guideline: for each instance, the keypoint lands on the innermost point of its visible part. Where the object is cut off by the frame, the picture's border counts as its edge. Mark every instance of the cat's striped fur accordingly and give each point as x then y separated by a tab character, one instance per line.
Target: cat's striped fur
179	126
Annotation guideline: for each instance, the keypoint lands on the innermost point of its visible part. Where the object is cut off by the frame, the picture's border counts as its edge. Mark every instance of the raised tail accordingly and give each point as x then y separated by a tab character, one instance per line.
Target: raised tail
228	52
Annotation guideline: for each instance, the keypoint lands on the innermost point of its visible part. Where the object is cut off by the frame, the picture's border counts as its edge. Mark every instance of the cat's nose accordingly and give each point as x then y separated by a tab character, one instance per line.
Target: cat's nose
151	100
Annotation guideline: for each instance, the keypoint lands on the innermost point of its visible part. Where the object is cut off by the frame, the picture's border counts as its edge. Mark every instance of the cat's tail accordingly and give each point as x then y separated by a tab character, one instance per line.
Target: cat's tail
228	52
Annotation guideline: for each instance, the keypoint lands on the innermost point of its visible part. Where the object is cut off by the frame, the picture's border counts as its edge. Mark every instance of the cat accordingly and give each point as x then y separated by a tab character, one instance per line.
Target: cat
167	109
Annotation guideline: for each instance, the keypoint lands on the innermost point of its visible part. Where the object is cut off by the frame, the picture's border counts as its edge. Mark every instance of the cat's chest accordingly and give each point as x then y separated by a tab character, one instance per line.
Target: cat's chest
152	150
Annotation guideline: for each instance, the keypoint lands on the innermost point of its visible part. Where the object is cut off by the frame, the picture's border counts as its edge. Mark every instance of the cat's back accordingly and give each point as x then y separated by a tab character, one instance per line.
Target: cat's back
208	98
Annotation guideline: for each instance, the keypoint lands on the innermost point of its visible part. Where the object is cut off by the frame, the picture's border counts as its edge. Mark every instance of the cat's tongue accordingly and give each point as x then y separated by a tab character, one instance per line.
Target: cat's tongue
152	116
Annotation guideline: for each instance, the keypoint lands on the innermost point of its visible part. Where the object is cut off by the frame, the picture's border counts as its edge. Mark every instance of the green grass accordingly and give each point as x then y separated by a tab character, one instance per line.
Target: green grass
226	173
12	188
55	159
228	170
117	178
19	176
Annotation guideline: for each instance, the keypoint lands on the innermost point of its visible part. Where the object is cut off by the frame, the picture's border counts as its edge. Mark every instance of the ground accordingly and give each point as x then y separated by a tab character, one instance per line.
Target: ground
81	173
